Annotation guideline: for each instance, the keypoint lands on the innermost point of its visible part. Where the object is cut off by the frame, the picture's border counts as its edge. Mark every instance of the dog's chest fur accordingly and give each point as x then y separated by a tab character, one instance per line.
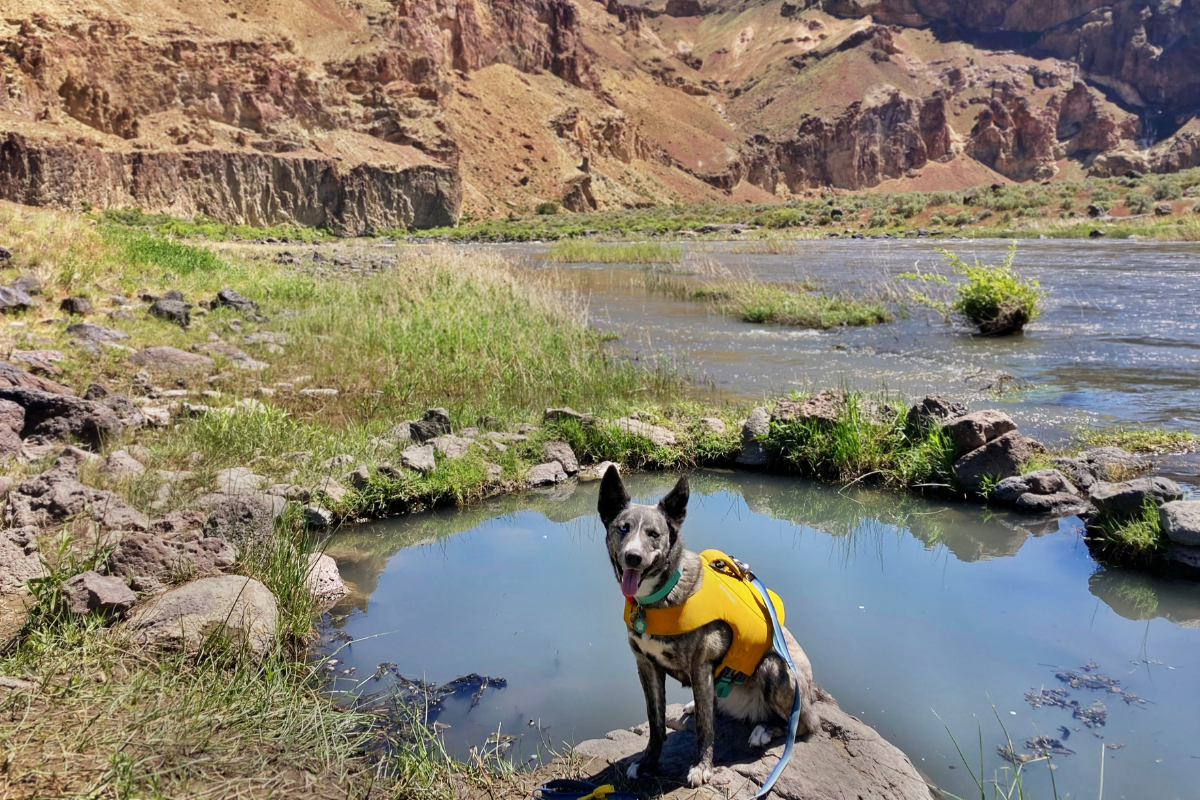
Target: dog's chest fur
663	652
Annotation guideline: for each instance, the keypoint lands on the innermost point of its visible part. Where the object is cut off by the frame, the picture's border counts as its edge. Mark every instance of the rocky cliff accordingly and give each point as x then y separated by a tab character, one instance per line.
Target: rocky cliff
399	113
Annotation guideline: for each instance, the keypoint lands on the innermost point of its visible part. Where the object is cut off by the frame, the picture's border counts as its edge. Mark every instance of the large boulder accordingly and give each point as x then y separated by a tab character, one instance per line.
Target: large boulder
1180	521
62	416
843	758
757	425
974	430
1128	498
209	609
1000	458
175	311
182	557
57	494
90	591
19	559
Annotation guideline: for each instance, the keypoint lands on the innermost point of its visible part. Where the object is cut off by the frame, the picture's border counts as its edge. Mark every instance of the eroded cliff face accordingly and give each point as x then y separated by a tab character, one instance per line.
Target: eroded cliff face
398	113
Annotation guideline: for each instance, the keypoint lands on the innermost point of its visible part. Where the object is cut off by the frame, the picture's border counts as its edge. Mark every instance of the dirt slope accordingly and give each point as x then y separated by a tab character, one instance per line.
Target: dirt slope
379	114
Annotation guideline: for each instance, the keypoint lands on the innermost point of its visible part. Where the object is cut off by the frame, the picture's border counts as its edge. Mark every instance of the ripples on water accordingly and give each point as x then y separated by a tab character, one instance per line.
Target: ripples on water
906	607
1119	340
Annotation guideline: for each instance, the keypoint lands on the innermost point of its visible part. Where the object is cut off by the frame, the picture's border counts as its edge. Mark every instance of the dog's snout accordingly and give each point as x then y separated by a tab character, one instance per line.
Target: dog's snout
633	560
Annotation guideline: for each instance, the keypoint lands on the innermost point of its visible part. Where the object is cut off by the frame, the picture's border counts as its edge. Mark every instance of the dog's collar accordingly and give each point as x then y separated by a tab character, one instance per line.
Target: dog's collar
661	593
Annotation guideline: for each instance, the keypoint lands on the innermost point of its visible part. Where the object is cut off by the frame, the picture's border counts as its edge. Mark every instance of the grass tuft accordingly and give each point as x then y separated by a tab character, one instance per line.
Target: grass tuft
586	251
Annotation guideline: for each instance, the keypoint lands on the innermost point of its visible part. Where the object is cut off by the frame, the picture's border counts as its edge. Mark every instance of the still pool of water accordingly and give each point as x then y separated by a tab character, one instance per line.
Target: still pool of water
913	613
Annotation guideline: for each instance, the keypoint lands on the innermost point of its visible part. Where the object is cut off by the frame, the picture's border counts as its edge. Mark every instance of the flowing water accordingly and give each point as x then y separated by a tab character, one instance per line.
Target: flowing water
1119	340
912	612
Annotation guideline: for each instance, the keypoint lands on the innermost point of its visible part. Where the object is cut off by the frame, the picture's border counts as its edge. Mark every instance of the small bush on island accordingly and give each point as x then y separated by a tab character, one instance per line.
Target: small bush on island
993	298
546	208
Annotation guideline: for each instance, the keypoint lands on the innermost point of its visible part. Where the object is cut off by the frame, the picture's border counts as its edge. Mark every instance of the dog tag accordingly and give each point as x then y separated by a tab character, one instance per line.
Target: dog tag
639	625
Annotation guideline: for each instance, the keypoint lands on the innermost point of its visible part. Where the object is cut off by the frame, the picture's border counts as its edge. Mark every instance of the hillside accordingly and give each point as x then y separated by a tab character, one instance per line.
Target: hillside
383	114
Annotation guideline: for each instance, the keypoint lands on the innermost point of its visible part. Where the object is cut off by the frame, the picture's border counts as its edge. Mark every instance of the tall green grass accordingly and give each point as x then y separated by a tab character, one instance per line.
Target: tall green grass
578	251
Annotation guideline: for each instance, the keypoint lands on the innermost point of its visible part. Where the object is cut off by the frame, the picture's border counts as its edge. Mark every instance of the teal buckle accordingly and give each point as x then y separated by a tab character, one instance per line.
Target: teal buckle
727	680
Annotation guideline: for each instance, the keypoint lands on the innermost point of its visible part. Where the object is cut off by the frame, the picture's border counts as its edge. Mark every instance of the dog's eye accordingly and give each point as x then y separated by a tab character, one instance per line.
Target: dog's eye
653	534
624	528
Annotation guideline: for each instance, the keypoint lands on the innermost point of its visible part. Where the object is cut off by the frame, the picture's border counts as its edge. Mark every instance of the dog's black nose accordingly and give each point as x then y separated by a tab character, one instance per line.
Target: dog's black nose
632	560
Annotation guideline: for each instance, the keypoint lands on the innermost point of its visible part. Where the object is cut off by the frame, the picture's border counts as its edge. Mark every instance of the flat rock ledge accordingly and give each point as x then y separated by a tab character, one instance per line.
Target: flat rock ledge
844	759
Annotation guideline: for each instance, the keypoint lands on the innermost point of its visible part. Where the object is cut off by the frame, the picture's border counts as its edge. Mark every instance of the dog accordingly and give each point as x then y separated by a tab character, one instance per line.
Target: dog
645	547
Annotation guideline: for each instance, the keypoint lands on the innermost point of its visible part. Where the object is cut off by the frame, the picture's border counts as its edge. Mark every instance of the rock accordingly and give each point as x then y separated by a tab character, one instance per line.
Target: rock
358	478
15	377
121	464
337	461
19	559
332	489
11	445
29	284
95	333
240	359
230	298
178	522
63	417
175	311
170	359
1163	210
56	494
12	416
399	433
972	431
40	362
662	437
1180	521
1000	458
242	518
558	414
1042	481
291	491
433	423
319	392
322	579
821	408
90	591
75	305
266	337
317	517
1113	463
1128	498
419	458
6	486
451	446
546	474
145	584
129	414
933	410
563	454
713	425
238	479
757	425
170	559
95	391
188	616
1058	504
156	416
842	758
15	300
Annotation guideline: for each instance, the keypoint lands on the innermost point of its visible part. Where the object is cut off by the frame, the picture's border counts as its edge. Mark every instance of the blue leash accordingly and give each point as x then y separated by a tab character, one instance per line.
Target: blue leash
563	789
793	720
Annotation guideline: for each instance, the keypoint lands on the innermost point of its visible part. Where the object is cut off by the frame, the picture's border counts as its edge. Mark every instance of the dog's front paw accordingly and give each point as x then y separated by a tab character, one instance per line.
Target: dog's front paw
699	775
690	708
632	772
761	736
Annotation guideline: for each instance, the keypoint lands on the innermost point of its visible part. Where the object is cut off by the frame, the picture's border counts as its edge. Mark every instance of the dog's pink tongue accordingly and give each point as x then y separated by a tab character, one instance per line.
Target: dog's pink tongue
629	582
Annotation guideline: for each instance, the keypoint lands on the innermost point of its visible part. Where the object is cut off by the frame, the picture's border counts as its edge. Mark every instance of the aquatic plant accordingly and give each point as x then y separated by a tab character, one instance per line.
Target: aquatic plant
993	298
579	251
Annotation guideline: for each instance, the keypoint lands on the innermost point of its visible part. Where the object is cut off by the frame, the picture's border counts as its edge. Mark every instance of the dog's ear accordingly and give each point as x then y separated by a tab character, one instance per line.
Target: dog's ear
613	499
674	503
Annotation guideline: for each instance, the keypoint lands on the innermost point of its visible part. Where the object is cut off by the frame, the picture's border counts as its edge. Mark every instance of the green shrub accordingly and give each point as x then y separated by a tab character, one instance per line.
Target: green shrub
1166	190
781	218
545	209
1138	203
993	297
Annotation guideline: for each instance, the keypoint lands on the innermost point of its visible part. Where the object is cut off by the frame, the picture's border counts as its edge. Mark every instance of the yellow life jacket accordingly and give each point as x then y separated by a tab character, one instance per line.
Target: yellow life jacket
725	594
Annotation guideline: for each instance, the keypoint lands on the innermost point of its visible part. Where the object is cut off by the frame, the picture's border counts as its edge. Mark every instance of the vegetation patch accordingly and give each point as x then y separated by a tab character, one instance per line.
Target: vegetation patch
1141	440
1137	539
587	251
993	298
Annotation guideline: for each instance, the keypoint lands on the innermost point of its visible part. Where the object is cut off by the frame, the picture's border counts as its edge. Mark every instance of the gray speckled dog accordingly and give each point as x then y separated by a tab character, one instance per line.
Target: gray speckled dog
645	548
